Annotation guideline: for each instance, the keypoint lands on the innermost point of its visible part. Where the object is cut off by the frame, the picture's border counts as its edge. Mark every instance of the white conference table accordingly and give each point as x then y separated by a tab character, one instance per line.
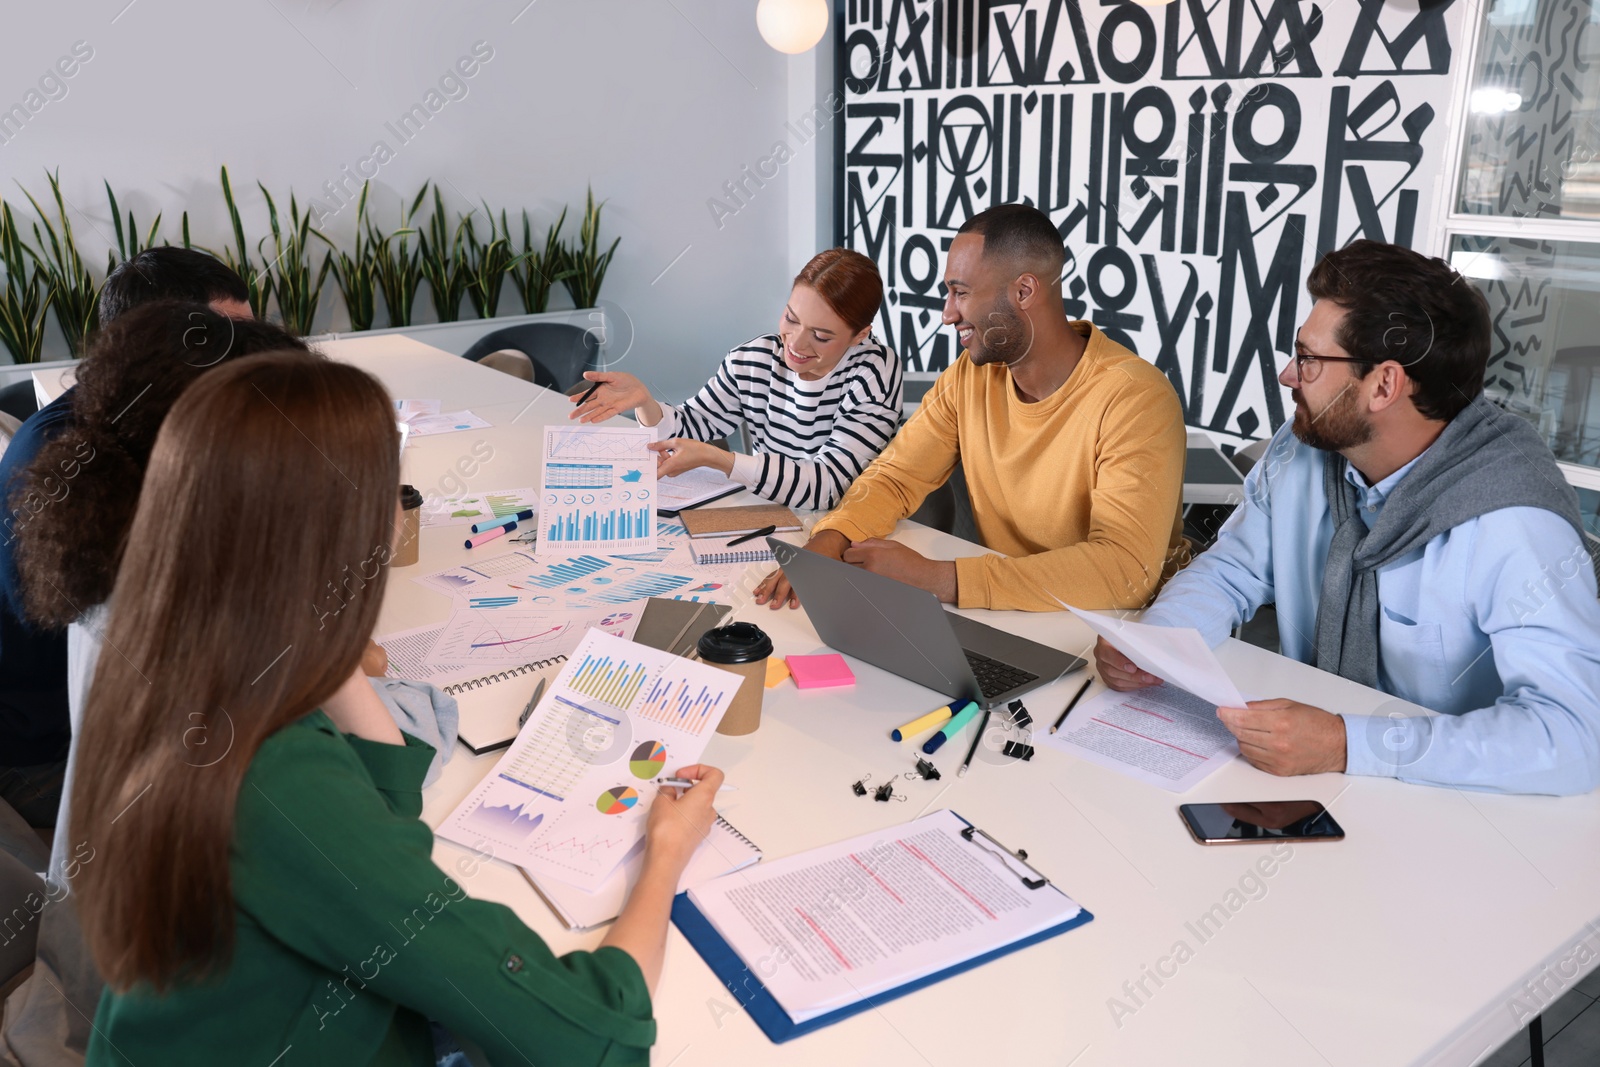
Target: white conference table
1407	943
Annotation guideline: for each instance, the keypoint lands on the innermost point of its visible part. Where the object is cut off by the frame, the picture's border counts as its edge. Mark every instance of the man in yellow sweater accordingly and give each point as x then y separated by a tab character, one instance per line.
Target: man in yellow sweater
1073	446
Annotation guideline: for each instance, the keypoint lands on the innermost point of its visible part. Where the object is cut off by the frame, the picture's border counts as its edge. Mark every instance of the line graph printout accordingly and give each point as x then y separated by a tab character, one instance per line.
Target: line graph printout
566	800
598	491
487	635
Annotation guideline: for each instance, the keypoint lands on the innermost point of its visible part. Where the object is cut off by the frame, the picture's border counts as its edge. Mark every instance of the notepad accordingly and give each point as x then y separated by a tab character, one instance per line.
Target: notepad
777	671
867	920
691	489
731	522
718	550
821	671
724	851
491	704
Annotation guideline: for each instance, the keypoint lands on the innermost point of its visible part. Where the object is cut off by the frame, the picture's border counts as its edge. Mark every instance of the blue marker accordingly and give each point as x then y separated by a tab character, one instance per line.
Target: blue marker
950	729
480	527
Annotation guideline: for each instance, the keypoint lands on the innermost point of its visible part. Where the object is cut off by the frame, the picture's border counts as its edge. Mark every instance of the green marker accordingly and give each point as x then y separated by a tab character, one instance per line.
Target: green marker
950	729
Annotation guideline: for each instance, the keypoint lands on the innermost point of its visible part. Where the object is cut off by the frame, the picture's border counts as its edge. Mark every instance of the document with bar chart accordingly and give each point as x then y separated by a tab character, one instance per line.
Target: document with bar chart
598	491
570	797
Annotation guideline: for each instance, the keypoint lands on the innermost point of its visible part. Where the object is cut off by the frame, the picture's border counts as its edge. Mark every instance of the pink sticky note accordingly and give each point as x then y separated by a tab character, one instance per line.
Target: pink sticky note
817	672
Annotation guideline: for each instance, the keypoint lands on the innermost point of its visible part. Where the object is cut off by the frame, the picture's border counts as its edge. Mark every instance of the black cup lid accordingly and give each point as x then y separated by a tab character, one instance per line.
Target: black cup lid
737	642
410	499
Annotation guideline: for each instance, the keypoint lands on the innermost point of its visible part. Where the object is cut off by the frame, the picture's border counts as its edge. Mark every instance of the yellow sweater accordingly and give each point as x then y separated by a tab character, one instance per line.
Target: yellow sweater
1081	490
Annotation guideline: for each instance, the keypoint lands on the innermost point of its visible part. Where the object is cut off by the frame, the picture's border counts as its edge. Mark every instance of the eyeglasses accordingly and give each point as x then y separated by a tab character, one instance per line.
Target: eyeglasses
1308	367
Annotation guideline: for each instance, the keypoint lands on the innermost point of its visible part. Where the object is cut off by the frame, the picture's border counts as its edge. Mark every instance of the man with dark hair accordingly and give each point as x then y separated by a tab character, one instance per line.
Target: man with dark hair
168	273
1073	446
1415	539
34	730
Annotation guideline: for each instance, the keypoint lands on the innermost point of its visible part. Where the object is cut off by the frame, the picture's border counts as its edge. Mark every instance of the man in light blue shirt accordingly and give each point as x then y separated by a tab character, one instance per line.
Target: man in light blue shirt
1414	538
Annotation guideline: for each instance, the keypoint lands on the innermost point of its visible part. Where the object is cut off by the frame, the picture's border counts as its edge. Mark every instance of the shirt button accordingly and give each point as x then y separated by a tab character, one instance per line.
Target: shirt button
1372	507
513	963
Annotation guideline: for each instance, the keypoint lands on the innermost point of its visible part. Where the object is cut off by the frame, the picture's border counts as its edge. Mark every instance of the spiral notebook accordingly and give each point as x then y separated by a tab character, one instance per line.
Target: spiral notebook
718	550
492	703
724	851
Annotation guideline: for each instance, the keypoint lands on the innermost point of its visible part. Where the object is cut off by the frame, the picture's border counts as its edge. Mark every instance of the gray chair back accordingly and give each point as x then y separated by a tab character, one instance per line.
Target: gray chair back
560	351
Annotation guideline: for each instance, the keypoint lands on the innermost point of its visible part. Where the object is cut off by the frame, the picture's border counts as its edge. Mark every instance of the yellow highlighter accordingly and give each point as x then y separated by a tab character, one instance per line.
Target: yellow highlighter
928	721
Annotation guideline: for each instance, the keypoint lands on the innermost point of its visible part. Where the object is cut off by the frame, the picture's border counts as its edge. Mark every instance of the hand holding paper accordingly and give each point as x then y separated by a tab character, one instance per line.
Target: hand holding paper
1175	654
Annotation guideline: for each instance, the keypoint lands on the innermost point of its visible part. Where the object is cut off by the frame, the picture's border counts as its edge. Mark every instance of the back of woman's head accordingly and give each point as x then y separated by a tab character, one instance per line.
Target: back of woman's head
848	281
71	507
272	477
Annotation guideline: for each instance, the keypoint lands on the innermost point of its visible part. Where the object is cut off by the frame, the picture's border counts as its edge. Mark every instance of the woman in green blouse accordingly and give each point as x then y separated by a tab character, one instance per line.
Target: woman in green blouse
256	886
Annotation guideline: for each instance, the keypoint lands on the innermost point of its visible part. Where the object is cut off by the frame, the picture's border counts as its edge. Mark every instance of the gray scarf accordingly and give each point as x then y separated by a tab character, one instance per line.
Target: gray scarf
1486	459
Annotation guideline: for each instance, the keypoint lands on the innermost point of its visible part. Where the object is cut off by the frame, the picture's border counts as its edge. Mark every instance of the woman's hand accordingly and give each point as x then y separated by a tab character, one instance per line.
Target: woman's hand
679	822
678	454
356	708
618	392
375	660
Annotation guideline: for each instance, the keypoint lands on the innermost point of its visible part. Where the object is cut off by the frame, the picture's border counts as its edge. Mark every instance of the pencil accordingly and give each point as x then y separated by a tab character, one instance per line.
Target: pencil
977	739
1082	689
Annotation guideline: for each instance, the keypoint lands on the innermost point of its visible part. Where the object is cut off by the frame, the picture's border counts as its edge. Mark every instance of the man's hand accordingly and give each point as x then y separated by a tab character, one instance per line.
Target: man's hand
1118	671
775	590
678	454
1286	737
894	560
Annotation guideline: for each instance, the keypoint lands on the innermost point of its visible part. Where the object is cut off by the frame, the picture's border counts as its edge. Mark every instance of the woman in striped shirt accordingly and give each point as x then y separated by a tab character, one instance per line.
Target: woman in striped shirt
820	398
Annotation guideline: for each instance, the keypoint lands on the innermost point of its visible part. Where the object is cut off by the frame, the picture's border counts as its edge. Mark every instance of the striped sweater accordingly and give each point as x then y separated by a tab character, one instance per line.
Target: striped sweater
809	439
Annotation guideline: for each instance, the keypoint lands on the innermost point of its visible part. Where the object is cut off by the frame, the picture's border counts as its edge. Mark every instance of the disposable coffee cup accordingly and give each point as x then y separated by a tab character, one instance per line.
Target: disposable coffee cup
740	648
407	531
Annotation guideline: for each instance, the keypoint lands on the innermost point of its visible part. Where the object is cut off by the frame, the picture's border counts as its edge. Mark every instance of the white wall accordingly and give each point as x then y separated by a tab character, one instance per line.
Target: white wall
656	102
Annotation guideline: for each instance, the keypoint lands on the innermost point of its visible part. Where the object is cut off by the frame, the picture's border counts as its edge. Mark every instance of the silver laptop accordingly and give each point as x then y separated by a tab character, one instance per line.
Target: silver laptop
905	630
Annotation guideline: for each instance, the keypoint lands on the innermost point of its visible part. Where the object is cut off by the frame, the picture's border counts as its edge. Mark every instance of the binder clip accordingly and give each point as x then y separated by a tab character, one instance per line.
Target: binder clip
1019	715
884	792
859	787
1018	750
925	770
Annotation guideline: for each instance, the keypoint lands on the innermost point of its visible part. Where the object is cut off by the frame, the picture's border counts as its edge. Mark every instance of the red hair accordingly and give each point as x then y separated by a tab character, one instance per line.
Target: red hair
849	283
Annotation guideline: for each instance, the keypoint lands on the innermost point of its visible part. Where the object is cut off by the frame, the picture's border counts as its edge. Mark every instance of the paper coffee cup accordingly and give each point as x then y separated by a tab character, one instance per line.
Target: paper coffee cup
741	648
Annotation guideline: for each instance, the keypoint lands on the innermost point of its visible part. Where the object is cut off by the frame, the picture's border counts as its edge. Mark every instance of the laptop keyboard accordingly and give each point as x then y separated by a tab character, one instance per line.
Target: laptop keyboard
995	677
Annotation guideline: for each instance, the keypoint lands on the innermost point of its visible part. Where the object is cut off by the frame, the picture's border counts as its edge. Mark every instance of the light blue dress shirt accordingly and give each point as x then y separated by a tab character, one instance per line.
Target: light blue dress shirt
1494	623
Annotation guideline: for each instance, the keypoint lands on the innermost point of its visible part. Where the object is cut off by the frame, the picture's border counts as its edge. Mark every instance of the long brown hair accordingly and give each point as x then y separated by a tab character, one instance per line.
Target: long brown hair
270	476
74	502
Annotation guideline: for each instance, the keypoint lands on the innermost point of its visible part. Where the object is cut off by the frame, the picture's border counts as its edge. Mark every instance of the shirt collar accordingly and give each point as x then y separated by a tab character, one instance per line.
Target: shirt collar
1374	496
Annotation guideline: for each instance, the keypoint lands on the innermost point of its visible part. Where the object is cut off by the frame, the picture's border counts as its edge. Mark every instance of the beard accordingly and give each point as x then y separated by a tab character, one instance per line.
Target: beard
1000	336
1336	427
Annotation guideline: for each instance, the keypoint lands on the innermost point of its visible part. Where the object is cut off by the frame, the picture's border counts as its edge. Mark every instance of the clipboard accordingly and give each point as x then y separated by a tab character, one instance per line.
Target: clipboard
746	985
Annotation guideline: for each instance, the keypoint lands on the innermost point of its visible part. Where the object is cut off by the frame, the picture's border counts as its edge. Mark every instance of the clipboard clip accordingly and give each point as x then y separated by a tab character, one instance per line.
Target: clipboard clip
1007	856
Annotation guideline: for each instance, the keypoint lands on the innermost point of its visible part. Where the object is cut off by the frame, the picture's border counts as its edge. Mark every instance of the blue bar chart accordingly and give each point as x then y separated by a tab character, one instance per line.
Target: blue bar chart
680	703
599	524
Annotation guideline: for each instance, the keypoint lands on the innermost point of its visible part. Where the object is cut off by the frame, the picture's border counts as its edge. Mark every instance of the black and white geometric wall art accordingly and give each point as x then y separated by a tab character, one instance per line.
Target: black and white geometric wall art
1196	158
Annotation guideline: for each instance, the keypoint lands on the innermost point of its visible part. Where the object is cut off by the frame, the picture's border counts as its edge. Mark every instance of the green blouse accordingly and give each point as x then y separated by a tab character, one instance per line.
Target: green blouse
348	939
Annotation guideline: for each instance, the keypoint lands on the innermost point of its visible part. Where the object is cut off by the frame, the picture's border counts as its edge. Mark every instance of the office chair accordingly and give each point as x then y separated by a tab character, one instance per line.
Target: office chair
559	351
19	400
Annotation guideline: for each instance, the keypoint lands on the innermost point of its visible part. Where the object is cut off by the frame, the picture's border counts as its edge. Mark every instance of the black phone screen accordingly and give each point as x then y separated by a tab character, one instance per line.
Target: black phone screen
1273	820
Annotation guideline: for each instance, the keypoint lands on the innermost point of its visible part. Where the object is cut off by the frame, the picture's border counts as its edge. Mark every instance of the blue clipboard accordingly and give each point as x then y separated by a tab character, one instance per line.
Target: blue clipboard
746	986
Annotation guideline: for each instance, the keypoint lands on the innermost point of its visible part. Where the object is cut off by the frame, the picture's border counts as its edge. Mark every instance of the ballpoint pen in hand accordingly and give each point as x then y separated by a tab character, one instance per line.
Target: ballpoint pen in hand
685	783
538	691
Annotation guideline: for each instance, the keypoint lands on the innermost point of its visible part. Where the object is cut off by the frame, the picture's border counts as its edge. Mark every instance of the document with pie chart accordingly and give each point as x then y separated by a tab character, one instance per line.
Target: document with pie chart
598	491
569	798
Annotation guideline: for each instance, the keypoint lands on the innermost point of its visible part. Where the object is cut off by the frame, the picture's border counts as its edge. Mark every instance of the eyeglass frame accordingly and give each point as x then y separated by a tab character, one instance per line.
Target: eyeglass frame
1301	358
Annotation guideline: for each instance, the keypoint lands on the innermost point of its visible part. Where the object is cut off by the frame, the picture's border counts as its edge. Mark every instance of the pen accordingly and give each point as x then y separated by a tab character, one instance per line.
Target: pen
484	527
489	535
752	535
538	691
685	783
976	741
584	399
1082	689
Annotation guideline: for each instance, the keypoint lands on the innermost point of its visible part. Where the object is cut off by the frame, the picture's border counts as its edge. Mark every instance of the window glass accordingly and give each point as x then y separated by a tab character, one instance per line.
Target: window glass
1533	120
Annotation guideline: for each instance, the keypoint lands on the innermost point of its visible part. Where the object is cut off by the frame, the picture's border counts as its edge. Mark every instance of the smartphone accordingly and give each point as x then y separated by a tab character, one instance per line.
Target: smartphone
1269	820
